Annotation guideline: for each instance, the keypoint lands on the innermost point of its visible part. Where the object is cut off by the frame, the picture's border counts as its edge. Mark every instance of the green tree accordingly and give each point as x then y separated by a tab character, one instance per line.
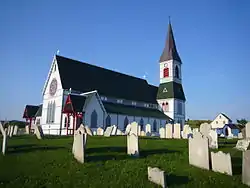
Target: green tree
242	121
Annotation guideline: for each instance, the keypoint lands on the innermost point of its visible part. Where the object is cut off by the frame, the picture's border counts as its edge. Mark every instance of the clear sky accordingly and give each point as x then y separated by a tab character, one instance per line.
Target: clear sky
212	37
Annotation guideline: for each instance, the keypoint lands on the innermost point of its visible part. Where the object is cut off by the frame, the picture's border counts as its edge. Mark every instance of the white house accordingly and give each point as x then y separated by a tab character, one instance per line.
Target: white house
77	92
220	121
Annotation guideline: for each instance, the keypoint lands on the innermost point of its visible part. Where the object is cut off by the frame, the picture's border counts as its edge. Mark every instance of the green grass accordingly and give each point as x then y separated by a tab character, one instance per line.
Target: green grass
49	163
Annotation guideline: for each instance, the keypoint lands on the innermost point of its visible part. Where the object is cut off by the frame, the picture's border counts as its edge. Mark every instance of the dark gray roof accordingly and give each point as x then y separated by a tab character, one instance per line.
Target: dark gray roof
30	111
226	116
39	111
171	90
170	51
84	77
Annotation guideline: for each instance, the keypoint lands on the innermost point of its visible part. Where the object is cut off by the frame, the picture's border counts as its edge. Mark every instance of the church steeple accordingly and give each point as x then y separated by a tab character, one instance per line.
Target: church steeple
170	51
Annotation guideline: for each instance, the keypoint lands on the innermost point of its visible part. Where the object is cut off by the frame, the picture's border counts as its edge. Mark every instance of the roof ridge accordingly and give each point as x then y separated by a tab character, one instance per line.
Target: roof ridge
102	68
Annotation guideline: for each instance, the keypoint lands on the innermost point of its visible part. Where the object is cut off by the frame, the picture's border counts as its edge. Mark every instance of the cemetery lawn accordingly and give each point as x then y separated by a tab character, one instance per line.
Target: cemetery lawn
49	163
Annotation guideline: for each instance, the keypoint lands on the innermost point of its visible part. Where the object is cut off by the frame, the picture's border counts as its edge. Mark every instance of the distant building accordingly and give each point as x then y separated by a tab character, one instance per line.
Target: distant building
220	121
229	130
77	92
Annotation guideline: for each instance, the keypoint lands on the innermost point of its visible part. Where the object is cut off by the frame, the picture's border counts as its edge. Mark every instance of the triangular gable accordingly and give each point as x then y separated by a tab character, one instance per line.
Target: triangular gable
68	107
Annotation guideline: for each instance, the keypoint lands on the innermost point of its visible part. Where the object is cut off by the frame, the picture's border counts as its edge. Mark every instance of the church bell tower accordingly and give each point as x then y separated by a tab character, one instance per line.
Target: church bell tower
170	94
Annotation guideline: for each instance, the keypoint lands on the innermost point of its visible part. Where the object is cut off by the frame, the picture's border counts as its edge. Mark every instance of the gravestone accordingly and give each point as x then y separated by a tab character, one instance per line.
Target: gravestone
4	143
177	130
221	162
243	132
39	132
240	135
148	128
195	130
108	131
157	176
94	133
134	128
132	144
242	145
198	151
79	144
169	130
114	130
15	130
162	132
143	133
186	130
246	167
213	139
139	130
128	127
247	129
205	129
100	131
88	130
27	129
118	132
11	130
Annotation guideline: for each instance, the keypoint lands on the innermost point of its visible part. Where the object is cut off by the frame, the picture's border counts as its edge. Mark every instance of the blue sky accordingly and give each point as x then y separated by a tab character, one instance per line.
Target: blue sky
212	38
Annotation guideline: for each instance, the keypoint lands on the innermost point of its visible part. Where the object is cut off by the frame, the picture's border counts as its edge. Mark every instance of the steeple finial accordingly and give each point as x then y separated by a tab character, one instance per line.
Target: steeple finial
170	51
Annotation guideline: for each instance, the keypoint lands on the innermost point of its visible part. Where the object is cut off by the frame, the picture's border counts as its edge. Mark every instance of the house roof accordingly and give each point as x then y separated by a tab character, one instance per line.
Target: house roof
30	111
134	111
39	111
85	77
170	52
226	116
74	103
232	126
171	90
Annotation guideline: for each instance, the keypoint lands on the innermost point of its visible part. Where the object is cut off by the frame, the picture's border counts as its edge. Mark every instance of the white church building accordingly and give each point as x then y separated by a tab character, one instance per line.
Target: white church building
76	92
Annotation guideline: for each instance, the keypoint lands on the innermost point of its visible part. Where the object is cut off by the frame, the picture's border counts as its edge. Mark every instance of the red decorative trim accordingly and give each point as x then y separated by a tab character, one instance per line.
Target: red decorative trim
67	103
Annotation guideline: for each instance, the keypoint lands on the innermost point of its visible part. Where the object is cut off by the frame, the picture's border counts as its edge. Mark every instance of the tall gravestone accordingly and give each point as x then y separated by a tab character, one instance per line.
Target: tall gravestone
148	128
27	129
11	130
134	128
205	129
132	140
198	151
246	168
108	131
162	132
177	130
4	143
128	127
38	131
88	130
247	126
79	144
213	139
169	130
114	130
100	131
15	130
221	162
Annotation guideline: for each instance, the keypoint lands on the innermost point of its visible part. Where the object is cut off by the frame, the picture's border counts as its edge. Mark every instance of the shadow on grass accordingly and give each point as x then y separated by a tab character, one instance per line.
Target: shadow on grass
103	158
16	150
236	165
106	149
21	146
145	153
172	179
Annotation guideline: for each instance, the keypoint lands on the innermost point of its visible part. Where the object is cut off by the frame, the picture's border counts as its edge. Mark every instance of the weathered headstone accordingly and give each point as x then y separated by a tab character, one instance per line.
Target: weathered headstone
4	143
108	131
221	162
114	130
198	151
88	130
148	128
38	131
118	132
247	126
162	132
242	145
94	133
143	133
195	130
205	129
186	130
213	139
11	130
139	130
246	167
80	139
157	176
128	127
100	131
169	130
27	129
132	144
134	128
15	130
177	130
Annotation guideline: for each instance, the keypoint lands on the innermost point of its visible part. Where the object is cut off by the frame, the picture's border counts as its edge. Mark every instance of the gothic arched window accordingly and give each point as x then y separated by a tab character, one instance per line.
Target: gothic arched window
177	72
108	121
141	123
125	123
93	119
154	126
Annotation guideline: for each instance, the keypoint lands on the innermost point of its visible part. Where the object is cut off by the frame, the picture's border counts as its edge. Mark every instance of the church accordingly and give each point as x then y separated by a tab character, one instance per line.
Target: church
76	92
